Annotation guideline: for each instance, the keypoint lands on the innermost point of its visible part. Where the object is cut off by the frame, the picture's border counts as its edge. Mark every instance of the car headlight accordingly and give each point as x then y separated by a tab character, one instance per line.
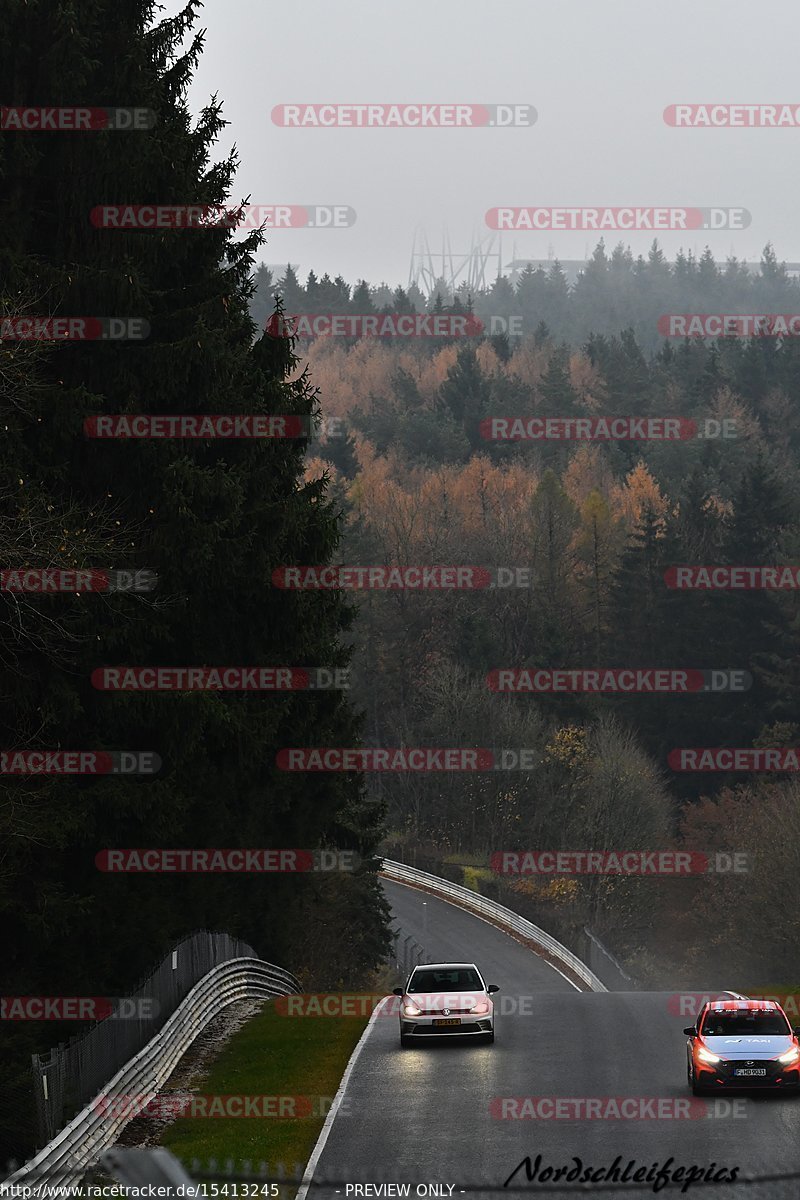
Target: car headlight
411	1010
706	1055
481	1007
790	1055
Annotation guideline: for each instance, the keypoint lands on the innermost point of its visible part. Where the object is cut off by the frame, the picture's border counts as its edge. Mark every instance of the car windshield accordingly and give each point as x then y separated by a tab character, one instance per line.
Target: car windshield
456	979
752	1024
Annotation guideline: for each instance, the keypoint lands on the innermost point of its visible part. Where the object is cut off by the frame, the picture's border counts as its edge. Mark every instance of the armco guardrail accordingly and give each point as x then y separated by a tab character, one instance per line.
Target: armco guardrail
498	913
95	1128
601	957
70	1075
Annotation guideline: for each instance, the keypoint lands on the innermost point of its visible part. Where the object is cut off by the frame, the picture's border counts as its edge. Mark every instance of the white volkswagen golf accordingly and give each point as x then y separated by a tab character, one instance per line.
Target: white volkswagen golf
442	999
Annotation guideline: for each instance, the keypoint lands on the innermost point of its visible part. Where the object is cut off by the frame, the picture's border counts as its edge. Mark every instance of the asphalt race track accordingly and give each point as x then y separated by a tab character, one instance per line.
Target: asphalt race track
424	1116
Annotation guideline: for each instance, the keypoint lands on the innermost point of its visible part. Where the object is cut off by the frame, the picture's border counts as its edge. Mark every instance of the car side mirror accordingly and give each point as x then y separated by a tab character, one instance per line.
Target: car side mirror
397	991
493	988
690	1029
796	1032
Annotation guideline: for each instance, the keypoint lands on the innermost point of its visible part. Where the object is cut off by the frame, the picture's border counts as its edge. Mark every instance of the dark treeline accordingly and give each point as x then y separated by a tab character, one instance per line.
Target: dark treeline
213	519
614	291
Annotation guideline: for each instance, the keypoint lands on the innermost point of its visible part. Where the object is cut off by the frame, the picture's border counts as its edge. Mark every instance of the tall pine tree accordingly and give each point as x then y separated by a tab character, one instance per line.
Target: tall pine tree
213	518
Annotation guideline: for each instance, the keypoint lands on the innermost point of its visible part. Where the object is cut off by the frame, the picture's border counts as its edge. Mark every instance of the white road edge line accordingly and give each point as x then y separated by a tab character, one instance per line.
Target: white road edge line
324	1133
316	1153
463	908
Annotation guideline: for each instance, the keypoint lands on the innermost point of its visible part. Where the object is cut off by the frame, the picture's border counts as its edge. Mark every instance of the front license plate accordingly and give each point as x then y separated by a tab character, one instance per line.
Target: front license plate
450	1021
750	1071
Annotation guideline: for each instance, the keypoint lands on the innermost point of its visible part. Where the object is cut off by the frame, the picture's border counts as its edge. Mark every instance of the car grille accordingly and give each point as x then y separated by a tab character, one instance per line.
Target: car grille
451	1012
775	1072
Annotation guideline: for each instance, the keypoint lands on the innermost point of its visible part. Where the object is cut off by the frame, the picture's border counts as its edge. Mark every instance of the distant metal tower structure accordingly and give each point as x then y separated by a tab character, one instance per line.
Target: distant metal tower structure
459	271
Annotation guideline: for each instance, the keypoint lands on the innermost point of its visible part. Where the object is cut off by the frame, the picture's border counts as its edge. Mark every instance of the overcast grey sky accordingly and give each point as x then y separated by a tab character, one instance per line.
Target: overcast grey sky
598	72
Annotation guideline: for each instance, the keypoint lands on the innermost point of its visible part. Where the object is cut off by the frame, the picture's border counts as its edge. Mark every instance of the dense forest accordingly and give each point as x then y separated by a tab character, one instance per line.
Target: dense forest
599	525
612	292
401	472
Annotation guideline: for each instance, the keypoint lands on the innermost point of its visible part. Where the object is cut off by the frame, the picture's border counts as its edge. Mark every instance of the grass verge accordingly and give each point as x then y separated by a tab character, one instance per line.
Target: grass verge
277	1057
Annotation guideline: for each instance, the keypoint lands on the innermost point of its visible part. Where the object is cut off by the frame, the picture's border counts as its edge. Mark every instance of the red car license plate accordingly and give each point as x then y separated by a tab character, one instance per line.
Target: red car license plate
449	1021
750	1071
